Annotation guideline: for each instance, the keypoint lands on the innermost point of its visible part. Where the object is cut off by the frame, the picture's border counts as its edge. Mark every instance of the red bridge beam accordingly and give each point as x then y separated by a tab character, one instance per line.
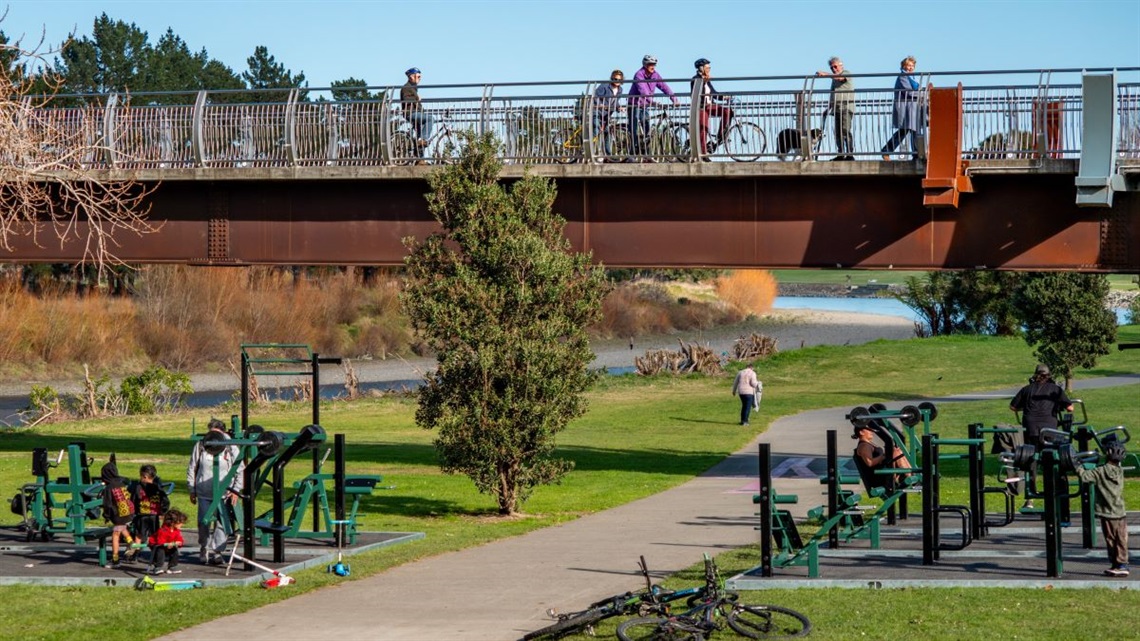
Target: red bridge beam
1014	221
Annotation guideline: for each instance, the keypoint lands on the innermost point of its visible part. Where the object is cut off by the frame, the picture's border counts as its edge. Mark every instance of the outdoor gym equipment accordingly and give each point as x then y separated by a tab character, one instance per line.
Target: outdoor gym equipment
273	359
63	506
932	507
882	420
1057	458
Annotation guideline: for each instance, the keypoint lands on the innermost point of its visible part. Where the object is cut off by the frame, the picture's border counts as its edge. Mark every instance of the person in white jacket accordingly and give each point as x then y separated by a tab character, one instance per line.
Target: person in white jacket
200	481
745	386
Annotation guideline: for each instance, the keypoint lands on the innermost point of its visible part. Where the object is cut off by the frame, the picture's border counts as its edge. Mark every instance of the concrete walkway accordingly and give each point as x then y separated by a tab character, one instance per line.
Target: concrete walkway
501	590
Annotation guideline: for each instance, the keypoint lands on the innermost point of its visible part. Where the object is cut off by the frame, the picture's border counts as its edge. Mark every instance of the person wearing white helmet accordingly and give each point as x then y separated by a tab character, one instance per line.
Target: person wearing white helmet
712	104
420	120
645	82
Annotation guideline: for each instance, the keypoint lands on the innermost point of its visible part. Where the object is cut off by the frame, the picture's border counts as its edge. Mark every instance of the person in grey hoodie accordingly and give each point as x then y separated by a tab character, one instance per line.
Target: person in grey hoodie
200	481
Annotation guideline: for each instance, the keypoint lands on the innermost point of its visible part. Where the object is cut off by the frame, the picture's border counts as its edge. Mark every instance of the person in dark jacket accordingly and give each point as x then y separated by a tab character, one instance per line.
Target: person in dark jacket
607	100
420	120
119	510
712	105
1040	403
150	502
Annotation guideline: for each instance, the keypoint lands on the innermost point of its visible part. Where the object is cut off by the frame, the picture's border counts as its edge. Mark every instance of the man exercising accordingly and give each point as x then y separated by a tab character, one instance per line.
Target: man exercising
1040	403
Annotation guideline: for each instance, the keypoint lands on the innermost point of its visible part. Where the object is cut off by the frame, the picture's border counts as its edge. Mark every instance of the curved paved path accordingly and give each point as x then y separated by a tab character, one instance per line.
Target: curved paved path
500	590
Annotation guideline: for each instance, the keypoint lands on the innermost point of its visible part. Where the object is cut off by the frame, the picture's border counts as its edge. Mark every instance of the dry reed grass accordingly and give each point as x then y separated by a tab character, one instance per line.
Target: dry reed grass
751	291
194	318
646	307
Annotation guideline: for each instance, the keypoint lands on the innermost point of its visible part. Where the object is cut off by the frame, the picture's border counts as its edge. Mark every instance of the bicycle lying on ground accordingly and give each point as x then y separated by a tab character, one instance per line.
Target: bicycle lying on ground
643	602
706	605
709	609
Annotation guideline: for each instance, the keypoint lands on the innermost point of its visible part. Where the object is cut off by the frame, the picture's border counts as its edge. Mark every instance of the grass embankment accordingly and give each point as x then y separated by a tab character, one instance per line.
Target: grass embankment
641	436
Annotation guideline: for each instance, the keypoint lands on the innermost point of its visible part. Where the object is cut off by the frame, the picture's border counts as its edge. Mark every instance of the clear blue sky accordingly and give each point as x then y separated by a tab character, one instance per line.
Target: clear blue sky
510	41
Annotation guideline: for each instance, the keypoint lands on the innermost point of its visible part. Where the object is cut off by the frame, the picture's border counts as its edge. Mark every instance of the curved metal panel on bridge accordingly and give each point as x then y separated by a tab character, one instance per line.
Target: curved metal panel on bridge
300	181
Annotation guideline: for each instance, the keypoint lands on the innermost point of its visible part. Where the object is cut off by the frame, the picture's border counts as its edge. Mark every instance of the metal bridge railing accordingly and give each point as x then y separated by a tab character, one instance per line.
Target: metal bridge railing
1033	116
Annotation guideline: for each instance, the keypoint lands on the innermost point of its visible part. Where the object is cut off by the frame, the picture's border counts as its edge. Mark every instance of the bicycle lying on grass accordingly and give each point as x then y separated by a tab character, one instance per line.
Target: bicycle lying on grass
708	613
707	605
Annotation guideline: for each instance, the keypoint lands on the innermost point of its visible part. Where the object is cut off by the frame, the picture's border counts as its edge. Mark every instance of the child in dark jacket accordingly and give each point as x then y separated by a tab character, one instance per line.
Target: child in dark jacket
166	543
150	501
119	510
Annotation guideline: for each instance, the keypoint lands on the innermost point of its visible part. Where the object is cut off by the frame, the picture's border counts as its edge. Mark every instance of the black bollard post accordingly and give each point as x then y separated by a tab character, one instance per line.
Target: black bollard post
929	502
338	488
316	366
977	471
833	486
765	461
1053	561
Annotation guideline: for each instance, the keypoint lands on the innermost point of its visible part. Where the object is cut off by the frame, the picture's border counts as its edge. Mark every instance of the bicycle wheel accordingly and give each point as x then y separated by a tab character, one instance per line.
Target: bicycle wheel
620	144
564	147
767	622
404	148
745	141
570	625
680	135
446	149
655	629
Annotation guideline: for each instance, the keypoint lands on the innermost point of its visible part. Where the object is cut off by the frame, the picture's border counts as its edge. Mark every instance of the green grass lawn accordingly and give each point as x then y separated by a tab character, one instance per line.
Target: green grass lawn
636	440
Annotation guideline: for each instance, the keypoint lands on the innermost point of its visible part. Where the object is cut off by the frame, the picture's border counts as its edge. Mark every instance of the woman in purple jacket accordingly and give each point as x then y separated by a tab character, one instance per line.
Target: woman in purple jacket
645	82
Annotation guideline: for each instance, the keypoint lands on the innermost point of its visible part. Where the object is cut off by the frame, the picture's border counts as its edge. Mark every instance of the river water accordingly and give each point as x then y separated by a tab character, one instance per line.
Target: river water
884	306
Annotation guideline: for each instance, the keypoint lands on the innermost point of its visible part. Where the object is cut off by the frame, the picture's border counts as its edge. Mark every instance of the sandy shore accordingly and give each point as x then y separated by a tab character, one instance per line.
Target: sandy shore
792	329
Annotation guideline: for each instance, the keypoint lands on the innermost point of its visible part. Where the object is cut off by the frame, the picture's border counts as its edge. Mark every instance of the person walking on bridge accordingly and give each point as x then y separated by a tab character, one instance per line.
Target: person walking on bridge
842	107
645	82
414	113
907	116
745	386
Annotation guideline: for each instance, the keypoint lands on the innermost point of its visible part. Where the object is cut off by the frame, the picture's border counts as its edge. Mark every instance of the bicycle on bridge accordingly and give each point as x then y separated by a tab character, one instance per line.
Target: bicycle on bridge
442	147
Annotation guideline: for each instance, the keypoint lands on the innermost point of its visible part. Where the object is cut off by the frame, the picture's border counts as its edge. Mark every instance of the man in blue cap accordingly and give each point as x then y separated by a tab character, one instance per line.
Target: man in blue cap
413	110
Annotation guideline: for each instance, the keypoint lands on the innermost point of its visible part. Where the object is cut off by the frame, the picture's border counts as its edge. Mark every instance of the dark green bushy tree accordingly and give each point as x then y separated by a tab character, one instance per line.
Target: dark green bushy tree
266	73
964	302
1065	319
504	304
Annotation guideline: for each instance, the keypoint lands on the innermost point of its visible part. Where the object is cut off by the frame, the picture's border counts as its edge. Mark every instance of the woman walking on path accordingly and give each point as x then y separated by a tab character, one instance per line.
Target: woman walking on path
745	386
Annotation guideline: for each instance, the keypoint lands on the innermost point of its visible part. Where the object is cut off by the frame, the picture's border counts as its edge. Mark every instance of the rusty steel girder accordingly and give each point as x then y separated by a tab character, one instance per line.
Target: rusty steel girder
1017	221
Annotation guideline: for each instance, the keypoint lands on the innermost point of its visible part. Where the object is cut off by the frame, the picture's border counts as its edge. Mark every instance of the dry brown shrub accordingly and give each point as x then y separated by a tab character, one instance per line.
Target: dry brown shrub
635	309
56	328
752	291
182	313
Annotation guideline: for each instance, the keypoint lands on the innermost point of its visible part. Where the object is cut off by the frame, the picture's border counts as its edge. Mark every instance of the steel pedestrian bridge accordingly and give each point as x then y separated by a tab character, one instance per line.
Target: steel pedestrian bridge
1011	170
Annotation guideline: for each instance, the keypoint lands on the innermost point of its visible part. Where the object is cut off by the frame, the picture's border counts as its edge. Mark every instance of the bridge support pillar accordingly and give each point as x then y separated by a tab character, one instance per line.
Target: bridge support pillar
945	170
1097	179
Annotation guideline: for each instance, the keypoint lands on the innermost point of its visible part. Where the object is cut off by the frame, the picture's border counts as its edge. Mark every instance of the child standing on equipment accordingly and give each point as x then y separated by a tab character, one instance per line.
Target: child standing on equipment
166	543
118	509
150	500
1108	479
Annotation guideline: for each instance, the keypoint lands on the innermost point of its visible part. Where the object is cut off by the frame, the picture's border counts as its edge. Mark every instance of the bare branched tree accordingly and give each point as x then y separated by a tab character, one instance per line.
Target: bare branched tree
56	180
